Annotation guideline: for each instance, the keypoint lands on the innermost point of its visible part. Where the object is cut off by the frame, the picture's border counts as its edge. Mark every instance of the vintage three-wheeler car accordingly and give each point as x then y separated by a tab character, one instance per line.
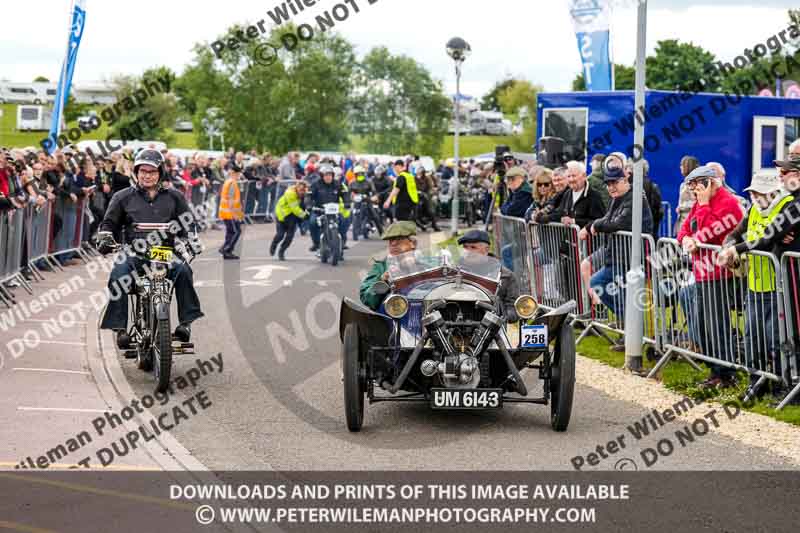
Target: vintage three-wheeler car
440	337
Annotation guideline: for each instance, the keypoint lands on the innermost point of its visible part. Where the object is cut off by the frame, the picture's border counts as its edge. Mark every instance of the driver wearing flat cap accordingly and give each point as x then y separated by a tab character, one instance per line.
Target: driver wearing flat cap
477	241
401	239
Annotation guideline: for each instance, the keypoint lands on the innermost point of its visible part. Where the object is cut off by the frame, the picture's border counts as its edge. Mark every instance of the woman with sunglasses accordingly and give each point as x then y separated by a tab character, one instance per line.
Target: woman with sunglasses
543	191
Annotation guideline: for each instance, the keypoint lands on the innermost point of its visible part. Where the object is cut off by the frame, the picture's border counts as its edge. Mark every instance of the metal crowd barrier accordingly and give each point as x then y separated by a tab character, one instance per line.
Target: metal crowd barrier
255	200
70	236
666	229
729	318
38	228
605	265
790	274
555	257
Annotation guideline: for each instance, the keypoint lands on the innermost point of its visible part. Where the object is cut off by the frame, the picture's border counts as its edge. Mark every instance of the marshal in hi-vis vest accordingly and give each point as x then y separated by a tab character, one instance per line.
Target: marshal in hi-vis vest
411	186
761	271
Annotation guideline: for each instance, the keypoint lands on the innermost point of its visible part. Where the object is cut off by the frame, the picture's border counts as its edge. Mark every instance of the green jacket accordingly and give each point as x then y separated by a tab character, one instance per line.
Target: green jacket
369	298
596	183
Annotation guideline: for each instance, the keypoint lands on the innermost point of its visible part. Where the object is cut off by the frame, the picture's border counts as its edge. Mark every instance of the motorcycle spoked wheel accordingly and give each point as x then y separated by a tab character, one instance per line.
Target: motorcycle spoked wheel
162	354
144	352
354	388
323	249
336	249
562	378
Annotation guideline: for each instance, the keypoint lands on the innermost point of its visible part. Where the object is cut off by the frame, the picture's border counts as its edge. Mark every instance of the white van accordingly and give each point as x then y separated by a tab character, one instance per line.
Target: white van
19	93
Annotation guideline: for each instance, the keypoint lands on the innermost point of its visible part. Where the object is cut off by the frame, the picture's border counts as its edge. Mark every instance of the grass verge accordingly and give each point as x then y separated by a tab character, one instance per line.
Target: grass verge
680	377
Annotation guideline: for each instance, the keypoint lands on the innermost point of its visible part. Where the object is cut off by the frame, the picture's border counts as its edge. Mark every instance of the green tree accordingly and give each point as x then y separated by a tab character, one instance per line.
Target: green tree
624	79
41	79
73	110
398	106
145	119
677	64
518	99
491	99
297	99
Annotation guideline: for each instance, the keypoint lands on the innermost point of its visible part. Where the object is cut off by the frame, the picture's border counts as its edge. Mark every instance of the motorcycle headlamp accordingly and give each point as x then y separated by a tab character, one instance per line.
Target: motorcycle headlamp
159	272
525	306
396	306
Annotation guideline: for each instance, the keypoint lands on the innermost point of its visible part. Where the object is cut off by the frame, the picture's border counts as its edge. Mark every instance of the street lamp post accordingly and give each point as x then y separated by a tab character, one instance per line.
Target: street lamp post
458	49
634	314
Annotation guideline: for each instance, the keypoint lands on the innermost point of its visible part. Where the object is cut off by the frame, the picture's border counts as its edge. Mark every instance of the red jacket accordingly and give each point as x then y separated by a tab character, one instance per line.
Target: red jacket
710	224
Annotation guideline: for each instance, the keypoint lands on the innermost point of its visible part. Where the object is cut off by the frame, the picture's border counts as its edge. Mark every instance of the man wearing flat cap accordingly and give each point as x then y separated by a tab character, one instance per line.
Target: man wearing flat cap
521	194
401	239
477	242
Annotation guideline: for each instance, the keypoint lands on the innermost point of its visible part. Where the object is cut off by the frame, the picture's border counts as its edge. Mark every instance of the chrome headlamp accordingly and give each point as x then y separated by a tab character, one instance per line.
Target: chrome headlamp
396	306
525	306
158	272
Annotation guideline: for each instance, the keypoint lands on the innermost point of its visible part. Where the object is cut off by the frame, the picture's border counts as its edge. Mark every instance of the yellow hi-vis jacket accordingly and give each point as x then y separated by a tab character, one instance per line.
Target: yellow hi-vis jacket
761	271
289	204
411	186
230	201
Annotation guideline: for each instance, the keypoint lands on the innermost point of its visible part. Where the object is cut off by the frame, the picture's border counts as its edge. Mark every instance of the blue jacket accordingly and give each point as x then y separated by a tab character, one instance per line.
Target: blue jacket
519	202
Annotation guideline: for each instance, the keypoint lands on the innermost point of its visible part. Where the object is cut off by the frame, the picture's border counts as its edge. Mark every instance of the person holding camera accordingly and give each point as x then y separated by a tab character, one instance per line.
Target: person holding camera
715	214
502	165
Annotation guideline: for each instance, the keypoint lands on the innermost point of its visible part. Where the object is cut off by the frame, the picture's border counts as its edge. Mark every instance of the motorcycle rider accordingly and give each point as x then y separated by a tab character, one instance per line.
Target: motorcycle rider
477	242
147	202
404	195
289	214
361	185
328	190
426	189
383	186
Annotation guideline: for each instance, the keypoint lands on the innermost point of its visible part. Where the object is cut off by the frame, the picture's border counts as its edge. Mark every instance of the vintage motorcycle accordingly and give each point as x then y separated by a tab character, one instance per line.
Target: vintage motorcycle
366	219
440	337
149	338
330	244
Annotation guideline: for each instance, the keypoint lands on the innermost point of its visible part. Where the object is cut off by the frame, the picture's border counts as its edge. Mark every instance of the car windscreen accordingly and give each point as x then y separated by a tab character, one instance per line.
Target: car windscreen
411	263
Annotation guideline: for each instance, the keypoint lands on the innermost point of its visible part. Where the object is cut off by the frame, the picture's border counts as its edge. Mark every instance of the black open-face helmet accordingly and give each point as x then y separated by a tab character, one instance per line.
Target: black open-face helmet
149	157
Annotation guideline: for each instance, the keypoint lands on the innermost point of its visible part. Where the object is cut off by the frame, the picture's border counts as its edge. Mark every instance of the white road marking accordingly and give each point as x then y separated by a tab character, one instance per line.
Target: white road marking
65	343
77	323
265	271
19	369
63	409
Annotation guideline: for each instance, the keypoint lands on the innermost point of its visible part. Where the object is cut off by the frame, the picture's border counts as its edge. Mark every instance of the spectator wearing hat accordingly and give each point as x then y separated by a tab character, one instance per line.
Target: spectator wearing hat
230	211
401	239
607	285
652	192
769	199
477	242
715	214
521	195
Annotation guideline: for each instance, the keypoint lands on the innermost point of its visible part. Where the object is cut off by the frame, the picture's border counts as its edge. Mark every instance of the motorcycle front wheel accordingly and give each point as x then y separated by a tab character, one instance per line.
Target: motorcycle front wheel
162	354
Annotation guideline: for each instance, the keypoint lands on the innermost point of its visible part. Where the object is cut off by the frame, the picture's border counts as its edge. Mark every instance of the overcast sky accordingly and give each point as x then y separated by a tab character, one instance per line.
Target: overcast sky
531	39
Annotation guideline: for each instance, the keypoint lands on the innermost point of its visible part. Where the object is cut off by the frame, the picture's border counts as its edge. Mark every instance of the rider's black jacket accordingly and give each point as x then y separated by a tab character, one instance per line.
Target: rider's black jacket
134	206
328	193
362	187
383	185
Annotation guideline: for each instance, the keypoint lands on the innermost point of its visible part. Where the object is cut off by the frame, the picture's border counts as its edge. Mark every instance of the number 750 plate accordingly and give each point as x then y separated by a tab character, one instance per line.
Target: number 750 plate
534	336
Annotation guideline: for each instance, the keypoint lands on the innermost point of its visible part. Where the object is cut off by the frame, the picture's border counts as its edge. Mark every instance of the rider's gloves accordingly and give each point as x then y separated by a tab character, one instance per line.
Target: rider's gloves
105	242
195	245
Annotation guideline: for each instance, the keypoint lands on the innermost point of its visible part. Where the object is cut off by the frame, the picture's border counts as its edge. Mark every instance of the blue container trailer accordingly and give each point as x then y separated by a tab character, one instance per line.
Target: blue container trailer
743	133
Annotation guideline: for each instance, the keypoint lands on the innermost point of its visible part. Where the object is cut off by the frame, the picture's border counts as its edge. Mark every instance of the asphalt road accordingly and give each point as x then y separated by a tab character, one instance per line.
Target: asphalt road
278	403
